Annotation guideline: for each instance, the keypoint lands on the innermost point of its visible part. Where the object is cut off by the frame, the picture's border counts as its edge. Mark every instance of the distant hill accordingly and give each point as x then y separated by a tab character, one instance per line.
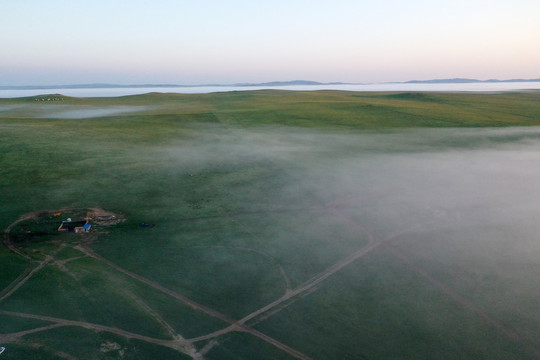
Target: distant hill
271	83
104	86
463	81
86	86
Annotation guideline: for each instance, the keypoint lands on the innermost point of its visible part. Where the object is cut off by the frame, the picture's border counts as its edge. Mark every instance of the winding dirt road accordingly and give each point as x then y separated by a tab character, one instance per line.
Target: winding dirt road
186	345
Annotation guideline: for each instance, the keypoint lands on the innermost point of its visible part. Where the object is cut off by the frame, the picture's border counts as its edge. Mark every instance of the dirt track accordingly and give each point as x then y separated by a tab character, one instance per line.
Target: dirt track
173	344
196	305
186	346
20	282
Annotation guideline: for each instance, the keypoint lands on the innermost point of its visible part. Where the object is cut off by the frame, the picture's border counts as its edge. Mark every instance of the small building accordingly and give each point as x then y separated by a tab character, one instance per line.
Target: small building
71	226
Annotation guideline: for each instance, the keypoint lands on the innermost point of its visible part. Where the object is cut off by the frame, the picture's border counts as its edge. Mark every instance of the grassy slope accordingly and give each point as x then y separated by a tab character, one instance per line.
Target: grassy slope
44	156
325	108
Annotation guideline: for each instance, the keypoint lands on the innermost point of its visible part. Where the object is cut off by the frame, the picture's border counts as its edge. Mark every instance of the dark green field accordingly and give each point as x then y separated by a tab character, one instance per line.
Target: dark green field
281	225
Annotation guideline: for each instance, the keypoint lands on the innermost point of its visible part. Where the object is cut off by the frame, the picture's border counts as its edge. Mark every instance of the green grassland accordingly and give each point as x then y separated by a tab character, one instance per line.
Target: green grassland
253	196
244	346
10	267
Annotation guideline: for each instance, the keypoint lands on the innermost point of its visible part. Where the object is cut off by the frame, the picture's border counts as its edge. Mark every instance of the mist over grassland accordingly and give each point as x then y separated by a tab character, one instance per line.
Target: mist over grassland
254	194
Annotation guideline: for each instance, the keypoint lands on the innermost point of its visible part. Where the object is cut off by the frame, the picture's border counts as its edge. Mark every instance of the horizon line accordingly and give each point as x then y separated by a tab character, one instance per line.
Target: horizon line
248	84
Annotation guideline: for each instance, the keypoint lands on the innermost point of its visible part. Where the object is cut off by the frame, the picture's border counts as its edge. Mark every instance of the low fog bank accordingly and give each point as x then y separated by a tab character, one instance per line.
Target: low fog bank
62	111
94	112
392	182
461	203
8	108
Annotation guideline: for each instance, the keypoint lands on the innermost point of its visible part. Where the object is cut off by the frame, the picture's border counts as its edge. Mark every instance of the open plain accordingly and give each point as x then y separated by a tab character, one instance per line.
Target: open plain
271	225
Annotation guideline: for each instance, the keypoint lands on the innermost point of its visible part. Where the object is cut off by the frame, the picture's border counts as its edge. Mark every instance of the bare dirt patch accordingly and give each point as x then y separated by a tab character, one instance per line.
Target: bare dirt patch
112	346
104	218
52	218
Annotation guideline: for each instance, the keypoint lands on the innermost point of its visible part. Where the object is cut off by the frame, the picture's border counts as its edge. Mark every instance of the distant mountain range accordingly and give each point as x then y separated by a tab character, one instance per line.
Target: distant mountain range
463	81
103	86
288	83
272	83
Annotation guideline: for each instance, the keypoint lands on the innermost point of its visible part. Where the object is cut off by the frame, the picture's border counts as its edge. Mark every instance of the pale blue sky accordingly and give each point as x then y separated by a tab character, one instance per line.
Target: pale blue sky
208	41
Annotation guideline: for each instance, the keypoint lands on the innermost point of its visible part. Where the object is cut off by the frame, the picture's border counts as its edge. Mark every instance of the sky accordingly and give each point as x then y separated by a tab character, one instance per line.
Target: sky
223	42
